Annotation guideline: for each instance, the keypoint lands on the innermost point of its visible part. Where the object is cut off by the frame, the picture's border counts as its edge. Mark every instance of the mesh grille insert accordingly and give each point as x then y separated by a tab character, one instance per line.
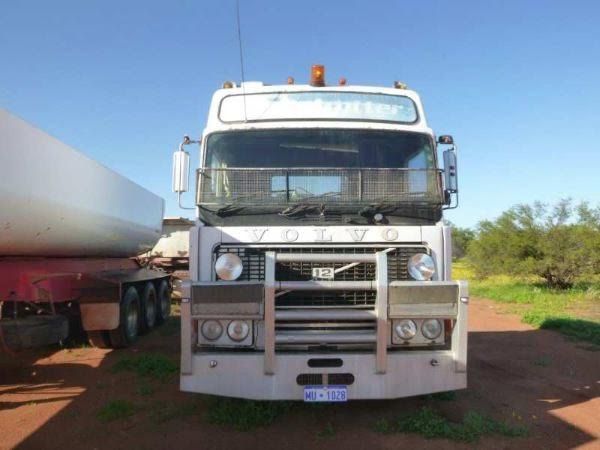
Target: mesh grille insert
308	379
341	378
253	259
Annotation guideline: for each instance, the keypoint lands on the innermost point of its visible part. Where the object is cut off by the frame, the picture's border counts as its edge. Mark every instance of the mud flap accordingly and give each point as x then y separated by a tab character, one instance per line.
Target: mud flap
99	316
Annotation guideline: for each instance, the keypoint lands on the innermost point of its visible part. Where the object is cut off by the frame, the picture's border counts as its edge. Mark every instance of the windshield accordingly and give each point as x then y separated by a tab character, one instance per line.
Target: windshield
319	148
324	166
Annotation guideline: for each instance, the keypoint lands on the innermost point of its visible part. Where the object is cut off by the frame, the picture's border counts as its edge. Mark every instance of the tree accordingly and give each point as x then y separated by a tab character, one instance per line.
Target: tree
559	244
461	237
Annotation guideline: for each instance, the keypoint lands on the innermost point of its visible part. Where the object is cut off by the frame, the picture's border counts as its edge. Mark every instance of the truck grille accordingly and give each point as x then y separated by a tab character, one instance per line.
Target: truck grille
253	259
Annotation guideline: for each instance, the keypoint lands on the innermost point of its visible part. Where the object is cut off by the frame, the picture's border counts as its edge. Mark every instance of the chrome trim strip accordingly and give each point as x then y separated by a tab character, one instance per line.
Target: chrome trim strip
270	313
326	257
329	338
460	333
325	314
186	336
381	309
317	285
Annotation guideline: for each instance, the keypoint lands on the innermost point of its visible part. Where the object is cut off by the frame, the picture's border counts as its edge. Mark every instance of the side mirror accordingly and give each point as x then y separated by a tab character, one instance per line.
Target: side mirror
450	171
181	170
446	139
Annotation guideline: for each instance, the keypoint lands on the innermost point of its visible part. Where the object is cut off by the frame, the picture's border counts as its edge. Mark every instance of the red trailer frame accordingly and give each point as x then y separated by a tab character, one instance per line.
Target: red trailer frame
95	285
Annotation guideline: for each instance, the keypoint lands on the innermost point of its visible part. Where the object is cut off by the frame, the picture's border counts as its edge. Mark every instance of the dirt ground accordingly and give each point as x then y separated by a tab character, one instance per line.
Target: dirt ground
50	399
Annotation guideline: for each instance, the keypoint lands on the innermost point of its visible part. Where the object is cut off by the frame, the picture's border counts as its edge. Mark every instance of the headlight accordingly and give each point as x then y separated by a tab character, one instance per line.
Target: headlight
238	330
431	329
421	267
211	330
229	267
406	329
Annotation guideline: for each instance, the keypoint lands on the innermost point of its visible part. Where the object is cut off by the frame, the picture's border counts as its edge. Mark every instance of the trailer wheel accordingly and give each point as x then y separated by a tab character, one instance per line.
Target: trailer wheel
164	302
149	305
129	320
99	339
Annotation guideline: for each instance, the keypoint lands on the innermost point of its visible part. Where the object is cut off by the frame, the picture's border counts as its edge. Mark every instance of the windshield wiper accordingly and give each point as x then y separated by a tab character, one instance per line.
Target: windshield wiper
228	210
296	210
369	211
301	207
233	208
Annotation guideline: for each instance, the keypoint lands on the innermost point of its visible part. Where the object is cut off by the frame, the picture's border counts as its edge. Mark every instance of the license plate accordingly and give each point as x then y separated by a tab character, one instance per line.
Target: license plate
325	394
323	273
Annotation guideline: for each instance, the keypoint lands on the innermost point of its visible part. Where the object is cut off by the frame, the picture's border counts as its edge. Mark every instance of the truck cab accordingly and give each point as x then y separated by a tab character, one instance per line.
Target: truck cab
320	265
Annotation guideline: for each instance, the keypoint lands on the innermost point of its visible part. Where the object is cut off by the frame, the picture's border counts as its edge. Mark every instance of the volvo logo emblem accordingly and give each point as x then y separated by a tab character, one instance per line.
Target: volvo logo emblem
323	234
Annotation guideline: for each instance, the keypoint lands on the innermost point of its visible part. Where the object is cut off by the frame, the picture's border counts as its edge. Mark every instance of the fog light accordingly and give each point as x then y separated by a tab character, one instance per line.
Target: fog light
421	267
211	330
406	329
238	330
431	329
228	266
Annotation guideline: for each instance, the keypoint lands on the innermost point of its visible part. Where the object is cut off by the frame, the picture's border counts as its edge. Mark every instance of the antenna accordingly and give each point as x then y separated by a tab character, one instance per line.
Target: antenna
239	30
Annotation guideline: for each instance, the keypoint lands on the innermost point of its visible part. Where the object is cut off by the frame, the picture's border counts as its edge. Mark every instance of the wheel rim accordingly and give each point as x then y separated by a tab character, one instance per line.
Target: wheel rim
132	320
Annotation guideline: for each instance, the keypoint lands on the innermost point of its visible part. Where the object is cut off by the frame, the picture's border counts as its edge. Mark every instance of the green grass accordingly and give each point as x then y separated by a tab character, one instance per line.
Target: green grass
149	365
327	432
245	415
431	425
144	390
383	426
115	410
573	312
163	412
578	329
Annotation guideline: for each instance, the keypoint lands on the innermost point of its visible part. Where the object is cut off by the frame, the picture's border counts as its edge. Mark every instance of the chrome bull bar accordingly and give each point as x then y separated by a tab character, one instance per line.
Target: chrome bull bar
379	314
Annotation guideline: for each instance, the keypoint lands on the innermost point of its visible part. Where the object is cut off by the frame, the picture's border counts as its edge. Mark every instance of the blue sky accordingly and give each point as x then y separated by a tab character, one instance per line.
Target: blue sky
517	83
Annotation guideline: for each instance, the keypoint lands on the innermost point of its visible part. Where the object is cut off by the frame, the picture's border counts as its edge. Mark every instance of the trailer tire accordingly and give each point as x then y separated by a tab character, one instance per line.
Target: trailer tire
164	302
129	320
149	308
99	339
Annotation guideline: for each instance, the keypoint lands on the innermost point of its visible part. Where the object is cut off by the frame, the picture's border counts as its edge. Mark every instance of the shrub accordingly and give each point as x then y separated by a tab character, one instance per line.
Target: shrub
461	238
558	244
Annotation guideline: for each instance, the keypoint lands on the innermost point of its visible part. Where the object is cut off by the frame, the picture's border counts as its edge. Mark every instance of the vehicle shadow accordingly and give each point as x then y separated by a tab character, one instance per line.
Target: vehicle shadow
534	378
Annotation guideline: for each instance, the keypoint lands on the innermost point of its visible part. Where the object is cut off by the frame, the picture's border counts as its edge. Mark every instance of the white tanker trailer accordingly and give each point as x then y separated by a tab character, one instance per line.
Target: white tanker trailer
70	230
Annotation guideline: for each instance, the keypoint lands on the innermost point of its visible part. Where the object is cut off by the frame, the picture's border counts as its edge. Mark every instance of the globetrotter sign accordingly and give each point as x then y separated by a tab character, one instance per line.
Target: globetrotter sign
305	234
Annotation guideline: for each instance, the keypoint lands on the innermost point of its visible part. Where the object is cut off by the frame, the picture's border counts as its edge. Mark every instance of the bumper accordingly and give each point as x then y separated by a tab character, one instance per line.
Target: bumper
242	375
271	373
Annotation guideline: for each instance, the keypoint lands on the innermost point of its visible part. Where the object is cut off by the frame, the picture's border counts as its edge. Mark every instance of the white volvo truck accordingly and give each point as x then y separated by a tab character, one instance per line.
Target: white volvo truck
320	267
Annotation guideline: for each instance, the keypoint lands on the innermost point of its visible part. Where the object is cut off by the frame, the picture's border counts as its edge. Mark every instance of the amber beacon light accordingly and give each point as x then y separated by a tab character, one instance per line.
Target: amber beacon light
317	75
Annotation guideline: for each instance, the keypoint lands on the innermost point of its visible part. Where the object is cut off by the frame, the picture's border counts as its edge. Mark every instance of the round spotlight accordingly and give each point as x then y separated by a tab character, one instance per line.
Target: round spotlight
421	267
431	329
238	330
229	267
406	329
211	330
